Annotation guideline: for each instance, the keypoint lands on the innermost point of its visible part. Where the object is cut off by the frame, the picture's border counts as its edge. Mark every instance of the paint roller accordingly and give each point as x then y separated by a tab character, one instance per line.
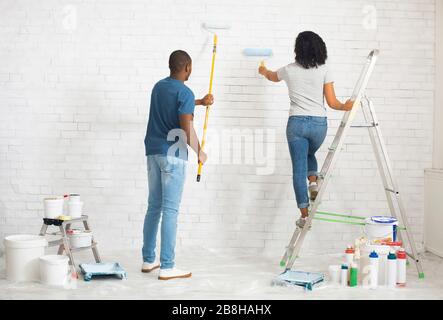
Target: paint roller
258	52
210	27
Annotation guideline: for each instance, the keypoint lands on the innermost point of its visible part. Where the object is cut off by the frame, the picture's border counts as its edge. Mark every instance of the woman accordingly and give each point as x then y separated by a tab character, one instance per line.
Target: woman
309	80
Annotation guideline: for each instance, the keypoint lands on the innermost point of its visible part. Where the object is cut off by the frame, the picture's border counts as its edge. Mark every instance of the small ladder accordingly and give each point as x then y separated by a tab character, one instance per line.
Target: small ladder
63	242
383	163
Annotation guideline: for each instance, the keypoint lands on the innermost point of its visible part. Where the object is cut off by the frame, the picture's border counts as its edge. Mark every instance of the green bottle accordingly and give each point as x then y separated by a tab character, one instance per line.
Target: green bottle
353	277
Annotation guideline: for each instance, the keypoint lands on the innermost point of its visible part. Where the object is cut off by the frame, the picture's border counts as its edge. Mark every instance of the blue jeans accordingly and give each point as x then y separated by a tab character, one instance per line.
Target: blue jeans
305	135
166	177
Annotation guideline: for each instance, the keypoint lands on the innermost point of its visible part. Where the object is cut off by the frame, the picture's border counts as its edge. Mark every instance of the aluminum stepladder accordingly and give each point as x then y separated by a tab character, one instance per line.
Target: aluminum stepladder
63	242
383	163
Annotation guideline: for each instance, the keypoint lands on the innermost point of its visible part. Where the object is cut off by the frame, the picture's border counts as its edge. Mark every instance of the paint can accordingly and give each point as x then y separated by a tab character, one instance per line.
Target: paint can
75	209
380	228
79	239
22	254
54	270
53	207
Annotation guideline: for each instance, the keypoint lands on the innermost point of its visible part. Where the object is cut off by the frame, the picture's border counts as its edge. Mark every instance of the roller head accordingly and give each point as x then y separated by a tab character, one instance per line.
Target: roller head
258	52
215	26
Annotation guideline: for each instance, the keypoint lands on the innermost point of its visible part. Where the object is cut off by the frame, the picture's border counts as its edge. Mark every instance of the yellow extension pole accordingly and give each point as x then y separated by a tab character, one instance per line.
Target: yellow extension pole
205	126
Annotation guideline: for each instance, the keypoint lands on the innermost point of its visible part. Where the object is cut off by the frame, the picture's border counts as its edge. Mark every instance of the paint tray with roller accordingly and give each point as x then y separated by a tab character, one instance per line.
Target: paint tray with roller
91	270
307	280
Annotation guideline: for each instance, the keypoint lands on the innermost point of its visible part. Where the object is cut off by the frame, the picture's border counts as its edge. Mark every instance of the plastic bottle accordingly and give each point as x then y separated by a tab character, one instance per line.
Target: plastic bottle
401	267
392	270
373	262
353	275
349	253
344	275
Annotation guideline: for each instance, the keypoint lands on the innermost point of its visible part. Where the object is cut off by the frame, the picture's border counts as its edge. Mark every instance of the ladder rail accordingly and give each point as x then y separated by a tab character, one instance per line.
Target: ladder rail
401	206
368	116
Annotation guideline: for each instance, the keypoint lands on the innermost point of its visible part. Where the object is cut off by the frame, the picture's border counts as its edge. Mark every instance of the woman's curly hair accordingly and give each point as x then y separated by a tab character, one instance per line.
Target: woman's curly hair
310	50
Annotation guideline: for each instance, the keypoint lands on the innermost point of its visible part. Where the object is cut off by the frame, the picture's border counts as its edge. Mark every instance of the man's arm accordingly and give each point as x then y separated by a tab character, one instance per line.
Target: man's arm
207	100
186	124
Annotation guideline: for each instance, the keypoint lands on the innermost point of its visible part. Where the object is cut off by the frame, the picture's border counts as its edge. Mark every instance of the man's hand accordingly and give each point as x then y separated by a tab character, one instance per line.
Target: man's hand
348	105
202	157
207	100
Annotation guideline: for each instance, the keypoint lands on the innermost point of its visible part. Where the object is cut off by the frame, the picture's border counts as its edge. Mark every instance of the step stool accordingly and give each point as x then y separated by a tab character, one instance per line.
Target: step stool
63	242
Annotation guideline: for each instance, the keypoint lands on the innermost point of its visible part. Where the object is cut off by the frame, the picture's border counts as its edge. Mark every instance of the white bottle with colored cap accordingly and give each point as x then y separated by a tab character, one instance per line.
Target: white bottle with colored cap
401	267
344	275
373	262
392	270
349	253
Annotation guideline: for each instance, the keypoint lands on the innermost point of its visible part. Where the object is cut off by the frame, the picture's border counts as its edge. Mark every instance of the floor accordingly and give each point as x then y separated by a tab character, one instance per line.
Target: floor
220	275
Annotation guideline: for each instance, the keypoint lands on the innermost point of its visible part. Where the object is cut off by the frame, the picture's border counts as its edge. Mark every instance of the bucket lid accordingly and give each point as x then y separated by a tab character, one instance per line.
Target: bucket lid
383	219
373	254
54	259
25	241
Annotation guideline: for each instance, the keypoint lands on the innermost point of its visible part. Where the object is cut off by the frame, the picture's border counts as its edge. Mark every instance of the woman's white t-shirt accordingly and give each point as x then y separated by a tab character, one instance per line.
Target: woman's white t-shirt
305	88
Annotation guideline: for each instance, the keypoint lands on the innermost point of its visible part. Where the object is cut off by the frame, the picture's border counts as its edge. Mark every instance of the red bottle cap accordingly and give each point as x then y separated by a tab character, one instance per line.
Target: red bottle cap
401	254
349	249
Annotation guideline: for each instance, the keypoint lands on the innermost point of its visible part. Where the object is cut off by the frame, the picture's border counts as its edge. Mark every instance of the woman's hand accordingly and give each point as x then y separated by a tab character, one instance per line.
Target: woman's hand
262	70
348	105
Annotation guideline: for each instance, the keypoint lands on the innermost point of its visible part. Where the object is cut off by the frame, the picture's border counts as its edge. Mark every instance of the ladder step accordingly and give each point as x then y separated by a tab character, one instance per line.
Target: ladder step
391	190
365	125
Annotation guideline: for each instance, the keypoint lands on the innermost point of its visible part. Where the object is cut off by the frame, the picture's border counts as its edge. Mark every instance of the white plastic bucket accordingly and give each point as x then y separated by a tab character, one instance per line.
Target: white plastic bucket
53	207
378	228
80	239
54	270
75	209
22	253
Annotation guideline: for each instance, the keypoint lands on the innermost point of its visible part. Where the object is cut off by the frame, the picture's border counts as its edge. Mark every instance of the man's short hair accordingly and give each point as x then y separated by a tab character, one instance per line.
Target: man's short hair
178	60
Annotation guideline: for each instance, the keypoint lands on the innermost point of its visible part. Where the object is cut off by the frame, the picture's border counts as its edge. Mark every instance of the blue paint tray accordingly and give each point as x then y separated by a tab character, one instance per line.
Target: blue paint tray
299	278
90	270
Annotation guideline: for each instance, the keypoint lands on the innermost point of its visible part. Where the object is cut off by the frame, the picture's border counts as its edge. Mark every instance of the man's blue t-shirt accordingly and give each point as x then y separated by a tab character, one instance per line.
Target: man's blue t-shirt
169	99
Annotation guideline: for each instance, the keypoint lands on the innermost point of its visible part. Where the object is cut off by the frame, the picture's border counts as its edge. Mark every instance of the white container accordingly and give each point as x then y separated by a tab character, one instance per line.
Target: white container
349	255
392	270
344	275
401	267
74	197
80	239
53	207
374	263
54	270
382	251
377	230
75	209
22	254
334	274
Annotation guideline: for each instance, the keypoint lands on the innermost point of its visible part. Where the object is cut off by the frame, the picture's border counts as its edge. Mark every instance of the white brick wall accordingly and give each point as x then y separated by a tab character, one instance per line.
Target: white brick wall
75	78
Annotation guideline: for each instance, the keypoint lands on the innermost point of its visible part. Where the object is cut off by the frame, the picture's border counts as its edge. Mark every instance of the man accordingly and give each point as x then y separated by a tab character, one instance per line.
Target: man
170	117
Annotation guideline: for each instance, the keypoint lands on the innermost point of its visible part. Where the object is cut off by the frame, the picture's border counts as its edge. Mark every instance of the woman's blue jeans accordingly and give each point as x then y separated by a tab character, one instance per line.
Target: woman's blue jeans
166	177
305	135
